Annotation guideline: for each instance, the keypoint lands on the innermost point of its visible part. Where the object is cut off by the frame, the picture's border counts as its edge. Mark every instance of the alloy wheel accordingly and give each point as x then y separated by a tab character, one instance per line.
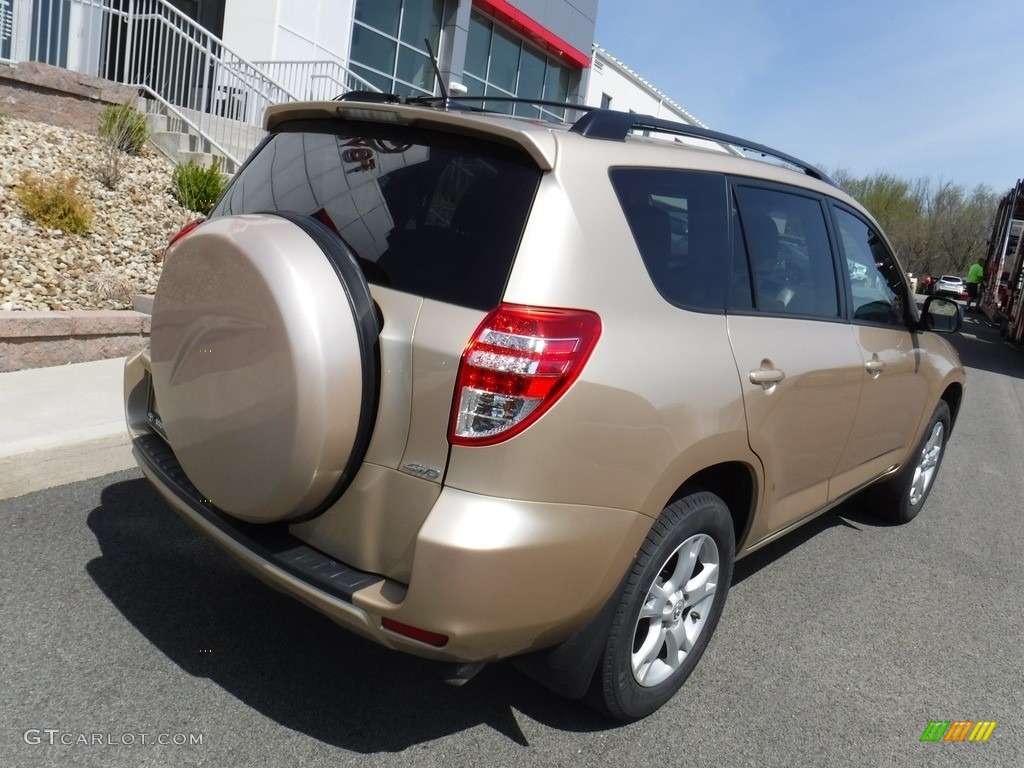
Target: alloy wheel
675	610
927	465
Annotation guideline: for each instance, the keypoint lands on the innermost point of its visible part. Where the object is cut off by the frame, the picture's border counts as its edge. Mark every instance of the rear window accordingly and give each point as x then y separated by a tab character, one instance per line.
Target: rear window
425	213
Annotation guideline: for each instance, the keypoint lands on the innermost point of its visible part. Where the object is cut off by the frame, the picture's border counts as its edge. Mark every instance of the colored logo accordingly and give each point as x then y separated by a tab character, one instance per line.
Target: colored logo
958	730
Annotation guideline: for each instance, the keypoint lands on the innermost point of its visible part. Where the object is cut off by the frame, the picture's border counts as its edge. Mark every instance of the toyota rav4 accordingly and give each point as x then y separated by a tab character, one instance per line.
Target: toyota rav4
480	387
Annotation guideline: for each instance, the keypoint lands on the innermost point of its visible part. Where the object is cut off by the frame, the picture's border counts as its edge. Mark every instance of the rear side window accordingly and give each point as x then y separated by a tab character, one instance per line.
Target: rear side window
425	213
680	222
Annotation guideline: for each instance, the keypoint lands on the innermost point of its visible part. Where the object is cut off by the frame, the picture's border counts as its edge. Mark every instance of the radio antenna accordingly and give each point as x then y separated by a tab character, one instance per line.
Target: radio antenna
437	73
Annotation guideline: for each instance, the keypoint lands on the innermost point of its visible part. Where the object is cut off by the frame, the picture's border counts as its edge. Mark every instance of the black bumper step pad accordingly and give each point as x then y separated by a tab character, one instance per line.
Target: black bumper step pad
271	542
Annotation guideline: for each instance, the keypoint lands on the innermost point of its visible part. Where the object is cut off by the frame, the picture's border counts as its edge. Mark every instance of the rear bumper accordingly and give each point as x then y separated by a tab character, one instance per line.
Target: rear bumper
497	577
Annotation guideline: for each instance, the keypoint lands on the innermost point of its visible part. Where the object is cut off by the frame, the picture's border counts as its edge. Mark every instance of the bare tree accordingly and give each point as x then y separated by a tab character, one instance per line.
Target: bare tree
934	229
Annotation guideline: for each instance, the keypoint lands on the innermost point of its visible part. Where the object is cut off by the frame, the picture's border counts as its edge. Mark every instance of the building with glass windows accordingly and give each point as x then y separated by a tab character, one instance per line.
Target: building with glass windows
233	58
534	48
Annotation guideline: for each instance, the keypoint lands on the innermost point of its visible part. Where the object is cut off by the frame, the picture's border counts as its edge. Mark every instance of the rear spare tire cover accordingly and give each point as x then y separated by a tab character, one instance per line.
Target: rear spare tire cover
263	346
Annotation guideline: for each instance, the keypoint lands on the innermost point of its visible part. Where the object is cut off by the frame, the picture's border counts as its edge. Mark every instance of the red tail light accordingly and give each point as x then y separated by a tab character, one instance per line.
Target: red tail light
184	231
518	363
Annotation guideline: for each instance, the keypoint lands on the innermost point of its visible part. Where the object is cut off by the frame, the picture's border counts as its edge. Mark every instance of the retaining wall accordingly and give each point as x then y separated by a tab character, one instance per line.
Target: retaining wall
43	339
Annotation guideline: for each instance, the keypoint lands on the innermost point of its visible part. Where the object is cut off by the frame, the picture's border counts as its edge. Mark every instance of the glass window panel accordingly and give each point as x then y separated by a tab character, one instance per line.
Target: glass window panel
384	83
416	69
876	284
422	19
373	50
478	46
556	83
531	81
436	216
790	251
379	14
475	87
531	74
405	89
680	226
498	106
505	49
527	110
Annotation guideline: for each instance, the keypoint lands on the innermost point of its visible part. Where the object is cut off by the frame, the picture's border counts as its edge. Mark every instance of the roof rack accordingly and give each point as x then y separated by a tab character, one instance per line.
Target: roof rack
459	102
613	125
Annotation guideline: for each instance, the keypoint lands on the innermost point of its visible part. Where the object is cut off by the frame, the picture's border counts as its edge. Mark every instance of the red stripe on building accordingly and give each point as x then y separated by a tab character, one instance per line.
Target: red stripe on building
504	12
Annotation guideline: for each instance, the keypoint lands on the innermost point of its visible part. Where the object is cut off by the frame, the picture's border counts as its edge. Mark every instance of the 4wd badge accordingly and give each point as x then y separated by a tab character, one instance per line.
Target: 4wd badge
420	471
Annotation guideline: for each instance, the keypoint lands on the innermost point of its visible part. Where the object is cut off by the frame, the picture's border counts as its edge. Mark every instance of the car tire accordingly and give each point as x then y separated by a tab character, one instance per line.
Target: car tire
658	635
902	497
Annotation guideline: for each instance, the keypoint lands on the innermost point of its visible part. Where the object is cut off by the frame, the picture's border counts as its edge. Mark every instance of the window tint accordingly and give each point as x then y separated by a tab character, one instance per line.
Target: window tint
679	220
430	214
876	284
790	257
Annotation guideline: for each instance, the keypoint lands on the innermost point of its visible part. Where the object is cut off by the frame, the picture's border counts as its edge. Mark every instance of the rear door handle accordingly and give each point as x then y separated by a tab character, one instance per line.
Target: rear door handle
874	367
766	377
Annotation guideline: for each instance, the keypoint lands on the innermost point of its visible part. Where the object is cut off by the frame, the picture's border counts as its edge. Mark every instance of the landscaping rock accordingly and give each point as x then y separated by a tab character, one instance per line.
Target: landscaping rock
121	255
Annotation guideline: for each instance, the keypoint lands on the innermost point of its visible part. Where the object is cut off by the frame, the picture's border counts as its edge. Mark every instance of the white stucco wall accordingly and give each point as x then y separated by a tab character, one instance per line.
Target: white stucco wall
629	91
289	30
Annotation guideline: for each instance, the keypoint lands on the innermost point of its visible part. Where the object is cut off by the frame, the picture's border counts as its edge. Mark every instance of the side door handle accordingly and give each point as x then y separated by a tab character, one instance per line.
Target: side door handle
766	375
874	366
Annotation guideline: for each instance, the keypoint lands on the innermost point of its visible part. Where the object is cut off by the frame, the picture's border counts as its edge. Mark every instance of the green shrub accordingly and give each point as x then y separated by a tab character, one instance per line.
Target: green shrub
197	187
54	204
124	127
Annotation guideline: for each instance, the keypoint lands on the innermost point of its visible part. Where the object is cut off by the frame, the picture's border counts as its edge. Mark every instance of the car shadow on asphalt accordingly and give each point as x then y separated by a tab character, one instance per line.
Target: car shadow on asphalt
293	665
982	347
287	662
857	513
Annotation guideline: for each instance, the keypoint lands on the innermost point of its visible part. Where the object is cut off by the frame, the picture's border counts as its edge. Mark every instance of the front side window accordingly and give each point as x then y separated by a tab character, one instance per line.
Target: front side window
876	284
788	255
388	46
500	63
679	220
435	215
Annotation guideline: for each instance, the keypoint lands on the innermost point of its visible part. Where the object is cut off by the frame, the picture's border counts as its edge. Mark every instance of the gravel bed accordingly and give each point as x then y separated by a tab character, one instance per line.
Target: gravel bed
42	269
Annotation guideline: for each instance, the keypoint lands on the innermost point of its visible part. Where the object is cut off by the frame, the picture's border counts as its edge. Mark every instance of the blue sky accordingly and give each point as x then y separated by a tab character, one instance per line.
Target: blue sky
916	88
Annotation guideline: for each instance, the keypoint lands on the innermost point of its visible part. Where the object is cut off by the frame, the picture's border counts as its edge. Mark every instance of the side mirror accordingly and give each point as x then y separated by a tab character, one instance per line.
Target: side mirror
941	315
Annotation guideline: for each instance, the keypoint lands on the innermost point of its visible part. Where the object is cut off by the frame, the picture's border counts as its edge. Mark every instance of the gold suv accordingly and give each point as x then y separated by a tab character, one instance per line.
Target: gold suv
480	387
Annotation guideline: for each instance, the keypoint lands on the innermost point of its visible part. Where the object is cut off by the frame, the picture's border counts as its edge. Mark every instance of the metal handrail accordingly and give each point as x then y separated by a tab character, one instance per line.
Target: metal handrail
152	46
311	78
177	114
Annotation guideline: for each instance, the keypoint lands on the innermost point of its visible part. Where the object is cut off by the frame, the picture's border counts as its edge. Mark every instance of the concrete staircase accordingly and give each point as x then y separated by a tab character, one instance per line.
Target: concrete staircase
174	137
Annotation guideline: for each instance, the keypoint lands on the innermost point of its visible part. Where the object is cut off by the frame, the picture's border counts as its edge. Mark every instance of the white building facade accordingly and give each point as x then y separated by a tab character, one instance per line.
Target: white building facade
613	85
528	48
200	51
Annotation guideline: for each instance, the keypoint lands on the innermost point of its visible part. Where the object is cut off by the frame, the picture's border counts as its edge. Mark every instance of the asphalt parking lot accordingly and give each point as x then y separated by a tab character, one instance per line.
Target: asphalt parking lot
128	640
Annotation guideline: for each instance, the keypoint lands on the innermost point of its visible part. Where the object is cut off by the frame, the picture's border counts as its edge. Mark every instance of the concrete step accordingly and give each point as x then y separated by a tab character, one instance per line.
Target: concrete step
155	122
204	159
181	143
170	143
